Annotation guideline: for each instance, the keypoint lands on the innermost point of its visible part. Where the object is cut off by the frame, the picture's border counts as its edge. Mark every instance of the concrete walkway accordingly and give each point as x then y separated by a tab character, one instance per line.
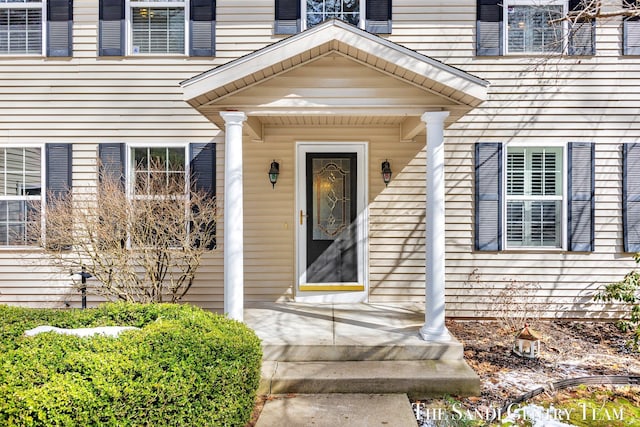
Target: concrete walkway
337	410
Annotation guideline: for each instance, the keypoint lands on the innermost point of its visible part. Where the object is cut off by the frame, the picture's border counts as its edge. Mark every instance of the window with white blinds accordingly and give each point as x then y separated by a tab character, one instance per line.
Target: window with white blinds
534	27
21	27
534	197
157	27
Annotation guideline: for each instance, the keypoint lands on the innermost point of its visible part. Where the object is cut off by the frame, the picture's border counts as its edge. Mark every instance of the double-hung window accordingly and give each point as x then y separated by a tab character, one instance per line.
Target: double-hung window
534	197
158	165
157	26
21	184
157	174
318	11
534	26
36	27
292	16
158	180
21	27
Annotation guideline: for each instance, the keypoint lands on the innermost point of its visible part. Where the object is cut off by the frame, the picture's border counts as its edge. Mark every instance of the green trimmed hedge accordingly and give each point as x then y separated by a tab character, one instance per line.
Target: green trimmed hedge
184	367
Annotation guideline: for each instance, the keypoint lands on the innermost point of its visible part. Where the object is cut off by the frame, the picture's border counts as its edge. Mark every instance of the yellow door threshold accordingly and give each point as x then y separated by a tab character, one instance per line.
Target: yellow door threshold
331	287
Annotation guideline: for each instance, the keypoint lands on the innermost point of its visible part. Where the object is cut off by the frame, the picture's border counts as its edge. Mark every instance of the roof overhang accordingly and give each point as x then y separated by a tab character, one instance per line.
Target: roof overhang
213	90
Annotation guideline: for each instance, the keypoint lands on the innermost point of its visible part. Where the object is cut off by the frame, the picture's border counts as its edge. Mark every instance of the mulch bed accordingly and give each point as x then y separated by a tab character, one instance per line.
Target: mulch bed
570	349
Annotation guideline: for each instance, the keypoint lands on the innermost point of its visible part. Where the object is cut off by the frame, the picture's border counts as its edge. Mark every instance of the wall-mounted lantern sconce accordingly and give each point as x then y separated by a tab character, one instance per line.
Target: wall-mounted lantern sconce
274	171
386	172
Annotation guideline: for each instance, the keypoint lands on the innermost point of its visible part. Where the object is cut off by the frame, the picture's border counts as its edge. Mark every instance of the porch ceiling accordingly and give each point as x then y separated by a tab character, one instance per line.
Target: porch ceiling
334	74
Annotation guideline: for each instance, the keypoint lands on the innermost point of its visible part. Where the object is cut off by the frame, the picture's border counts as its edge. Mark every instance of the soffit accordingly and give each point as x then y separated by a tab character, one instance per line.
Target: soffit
253	83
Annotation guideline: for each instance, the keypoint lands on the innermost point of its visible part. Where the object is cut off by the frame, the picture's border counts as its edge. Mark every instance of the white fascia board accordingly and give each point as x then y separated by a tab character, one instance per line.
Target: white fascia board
325	33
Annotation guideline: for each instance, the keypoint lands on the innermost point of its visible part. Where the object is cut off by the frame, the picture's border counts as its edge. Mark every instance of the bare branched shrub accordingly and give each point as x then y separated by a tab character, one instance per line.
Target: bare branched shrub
144	247
513	304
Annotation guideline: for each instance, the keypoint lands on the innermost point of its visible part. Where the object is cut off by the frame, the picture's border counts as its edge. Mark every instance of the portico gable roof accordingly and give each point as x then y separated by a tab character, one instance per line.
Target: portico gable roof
210	91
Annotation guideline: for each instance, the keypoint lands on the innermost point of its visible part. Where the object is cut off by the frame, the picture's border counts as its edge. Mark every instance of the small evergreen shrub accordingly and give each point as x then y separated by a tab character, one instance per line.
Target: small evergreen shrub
183	367
627	293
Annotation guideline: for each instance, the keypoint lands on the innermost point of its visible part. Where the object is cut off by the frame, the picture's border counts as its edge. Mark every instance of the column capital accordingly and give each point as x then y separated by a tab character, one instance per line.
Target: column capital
233	117
433	116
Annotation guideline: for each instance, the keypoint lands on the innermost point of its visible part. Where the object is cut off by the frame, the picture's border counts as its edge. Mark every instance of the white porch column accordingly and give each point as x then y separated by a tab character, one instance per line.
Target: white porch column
233	215
434	328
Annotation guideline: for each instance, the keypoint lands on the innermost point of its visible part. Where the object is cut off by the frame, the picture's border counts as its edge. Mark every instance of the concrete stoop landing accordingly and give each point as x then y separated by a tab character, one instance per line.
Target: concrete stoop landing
355	348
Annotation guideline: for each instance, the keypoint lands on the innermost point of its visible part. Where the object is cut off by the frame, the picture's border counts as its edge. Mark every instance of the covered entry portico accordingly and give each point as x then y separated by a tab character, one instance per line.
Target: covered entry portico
301	80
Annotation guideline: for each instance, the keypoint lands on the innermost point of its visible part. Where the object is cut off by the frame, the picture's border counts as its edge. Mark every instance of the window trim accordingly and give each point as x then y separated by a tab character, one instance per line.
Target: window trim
505	24
564	205
303	15
130	178
42	5
130	4
42	197
129	166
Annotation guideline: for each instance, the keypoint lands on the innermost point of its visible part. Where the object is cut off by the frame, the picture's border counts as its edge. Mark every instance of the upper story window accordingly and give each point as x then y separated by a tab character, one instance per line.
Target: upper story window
21	24
535	27
534	202
157	26
36	27
21	184
321	10
293	16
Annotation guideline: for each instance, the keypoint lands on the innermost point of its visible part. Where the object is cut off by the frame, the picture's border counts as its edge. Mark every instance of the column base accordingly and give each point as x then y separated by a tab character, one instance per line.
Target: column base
436	334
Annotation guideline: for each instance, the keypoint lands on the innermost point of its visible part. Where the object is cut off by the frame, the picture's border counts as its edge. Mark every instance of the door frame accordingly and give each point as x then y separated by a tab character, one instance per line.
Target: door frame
332	293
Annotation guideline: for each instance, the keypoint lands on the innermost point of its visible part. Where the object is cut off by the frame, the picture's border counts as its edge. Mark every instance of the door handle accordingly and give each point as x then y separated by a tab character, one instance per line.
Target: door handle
302	216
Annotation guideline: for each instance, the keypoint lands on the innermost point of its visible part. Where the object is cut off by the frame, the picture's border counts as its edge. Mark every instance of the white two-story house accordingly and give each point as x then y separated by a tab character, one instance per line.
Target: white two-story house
427	151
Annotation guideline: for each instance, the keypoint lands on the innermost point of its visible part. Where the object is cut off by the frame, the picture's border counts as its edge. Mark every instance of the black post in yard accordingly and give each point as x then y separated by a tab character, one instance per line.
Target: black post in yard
83	280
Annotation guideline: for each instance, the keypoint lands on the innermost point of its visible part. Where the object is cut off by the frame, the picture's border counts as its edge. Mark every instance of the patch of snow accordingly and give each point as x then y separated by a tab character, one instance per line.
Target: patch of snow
109	331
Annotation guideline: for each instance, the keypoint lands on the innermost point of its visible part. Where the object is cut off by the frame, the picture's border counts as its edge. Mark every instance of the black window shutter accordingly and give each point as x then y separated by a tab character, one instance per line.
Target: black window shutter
631	196
581	189
58	186
630	32
111	28
59	28
488	196
202	28
203	171
58	162
582	33
287	17
378	16
112	161
203	167
489	28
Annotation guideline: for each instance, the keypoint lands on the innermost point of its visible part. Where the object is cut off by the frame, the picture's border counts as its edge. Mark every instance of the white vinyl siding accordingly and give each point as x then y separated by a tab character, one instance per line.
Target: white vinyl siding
88	100
21	27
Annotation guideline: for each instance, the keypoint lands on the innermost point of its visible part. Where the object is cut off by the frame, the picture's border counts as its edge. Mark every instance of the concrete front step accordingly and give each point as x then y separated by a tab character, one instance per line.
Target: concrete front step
411	348
418	378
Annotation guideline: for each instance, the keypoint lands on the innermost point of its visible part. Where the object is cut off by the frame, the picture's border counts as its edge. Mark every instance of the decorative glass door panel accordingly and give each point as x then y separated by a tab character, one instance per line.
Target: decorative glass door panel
332	252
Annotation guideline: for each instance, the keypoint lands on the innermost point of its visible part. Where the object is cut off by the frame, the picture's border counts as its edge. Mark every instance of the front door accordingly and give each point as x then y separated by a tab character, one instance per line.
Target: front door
331	249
